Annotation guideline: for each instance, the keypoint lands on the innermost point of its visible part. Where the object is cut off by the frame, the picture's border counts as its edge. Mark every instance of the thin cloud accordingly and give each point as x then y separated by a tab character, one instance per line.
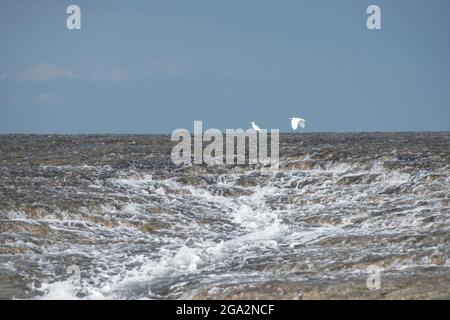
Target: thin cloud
3	76
162	66
49	72
46	72
46	99
107	74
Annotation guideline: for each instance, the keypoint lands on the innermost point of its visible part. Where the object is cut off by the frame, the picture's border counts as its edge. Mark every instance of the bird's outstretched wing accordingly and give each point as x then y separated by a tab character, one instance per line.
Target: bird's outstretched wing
294	123
302	123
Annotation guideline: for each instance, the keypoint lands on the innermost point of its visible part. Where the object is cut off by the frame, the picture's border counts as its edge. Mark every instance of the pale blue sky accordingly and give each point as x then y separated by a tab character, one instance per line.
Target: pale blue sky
154	66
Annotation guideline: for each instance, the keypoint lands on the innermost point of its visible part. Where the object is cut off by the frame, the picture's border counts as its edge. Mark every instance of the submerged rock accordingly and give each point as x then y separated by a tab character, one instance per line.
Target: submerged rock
358	178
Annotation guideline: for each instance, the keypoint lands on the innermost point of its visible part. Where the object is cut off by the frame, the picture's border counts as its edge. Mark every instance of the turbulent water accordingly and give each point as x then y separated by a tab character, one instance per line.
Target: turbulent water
135	226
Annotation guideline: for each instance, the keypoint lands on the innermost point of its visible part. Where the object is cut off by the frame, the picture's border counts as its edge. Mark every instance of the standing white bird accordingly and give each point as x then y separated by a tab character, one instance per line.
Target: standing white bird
295	122
255	127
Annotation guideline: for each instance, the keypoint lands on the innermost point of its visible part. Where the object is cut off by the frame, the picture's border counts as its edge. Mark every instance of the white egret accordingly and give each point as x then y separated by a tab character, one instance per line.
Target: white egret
295	122
255	127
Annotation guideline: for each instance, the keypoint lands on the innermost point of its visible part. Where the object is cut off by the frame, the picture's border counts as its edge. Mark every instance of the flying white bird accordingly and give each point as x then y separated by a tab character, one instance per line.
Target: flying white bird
255	127
295	122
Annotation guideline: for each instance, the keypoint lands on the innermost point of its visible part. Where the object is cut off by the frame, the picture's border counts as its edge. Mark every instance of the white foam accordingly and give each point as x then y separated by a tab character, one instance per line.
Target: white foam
61	290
